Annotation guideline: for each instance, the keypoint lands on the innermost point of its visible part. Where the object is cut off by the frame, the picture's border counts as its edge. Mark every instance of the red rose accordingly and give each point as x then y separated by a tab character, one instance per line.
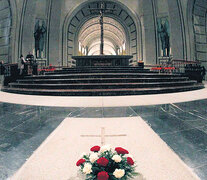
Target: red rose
95	148
81	161
130	161
120	150
103	175
102	161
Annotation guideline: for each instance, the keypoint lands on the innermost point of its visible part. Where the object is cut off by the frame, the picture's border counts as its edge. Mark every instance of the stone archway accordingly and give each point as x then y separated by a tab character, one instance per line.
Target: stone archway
83	13
199	22
7	30
114	38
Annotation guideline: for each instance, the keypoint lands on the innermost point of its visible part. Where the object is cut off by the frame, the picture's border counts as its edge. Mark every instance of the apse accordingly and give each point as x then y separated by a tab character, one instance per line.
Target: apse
90	35
82	31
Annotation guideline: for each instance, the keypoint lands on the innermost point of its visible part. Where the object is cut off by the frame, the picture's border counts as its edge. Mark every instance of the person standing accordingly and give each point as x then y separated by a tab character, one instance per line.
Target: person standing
2	68
30	63
203	72
22	65
2	71
30	57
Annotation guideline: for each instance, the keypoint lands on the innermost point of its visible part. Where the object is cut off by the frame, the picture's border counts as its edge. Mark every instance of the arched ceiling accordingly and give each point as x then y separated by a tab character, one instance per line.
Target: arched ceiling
114	34
108	49
84	29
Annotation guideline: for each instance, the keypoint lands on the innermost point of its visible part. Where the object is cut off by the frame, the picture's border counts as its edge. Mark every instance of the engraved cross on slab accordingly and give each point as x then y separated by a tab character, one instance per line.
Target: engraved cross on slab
103	135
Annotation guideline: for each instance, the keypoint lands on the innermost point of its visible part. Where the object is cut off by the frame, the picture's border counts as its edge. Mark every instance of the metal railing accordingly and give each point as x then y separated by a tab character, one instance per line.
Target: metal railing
173	66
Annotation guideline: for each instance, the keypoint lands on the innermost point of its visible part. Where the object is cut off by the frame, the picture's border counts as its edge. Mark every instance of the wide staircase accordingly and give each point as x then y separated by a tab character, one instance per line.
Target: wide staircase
102	81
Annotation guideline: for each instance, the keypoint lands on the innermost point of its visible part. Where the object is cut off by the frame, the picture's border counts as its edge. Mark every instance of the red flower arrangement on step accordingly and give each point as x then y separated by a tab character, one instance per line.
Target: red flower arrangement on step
105	163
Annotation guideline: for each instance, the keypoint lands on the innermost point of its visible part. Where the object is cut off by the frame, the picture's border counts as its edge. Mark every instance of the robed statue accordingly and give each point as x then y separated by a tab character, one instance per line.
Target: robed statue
39	35
163	30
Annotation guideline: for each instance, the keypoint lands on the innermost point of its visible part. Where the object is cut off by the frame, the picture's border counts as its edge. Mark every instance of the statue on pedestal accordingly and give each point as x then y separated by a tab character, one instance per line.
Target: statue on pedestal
39	35
163	30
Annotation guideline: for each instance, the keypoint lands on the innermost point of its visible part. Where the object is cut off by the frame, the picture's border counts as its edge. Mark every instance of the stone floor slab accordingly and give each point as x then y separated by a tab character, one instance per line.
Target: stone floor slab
56	157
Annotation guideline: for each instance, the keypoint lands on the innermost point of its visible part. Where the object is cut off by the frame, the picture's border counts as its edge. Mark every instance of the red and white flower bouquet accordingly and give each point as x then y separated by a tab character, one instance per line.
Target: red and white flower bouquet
105	163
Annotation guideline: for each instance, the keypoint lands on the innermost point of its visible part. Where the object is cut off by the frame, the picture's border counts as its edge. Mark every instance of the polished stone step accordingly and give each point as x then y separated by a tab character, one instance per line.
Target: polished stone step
100	80
103	92
104	67
102	85
98	71
103	75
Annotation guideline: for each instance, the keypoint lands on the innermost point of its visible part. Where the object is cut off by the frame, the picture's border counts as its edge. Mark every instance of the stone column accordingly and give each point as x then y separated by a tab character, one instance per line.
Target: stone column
177	41
187	7
28	27
55	31
149	32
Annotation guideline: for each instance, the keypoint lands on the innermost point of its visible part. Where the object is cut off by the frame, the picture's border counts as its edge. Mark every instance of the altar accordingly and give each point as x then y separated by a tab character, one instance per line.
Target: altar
102	60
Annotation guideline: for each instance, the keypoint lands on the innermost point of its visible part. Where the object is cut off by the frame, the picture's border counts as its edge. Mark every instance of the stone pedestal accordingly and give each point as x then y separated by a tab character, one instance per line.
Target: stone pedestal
164	60
100	61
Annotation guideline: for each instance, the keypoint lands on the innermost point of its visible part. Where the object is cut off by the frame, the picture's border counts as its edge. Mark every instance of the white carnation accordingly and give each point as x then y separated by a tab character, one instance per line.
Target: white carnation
105	148
87	169
119	173
93	157
117	158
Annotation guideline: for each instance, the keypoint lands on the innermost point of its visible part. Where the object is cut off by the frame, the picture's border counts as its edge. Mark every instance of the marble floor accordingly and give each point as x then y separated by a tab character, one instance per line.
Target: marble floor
182	125
22	130
58	154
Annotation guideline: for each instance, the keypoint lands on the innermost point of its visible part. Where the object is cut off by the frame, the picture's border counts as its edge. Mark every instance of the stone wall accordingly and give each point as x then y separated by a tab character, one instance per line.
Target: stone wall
5	30
17	35
200	32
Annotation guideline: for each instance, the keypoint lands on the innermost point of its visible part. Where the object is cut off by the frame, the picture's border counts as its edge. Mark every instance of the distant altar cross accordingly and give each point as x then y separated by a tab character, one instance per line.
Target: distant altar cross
103	135
102	10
